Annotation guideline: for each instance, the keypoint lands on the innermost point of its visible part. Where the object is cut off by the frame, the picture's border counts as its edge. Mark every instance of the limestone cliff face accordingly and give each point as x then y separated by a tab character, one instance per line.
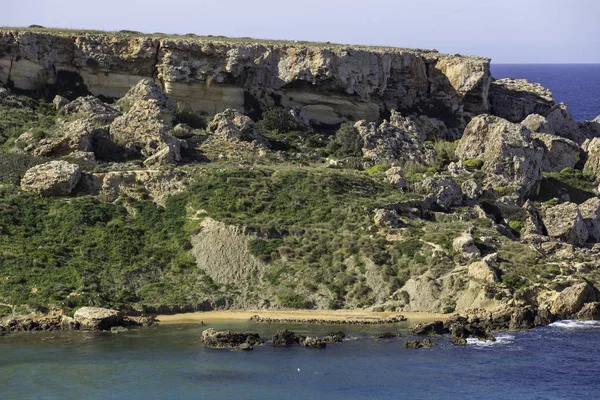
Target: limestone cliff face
332	83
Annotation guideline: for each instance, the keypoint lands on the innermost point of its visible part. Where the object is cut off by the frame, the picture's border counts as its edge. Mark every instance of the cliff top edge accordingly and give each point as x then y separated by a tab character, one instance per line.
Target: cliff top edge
191	37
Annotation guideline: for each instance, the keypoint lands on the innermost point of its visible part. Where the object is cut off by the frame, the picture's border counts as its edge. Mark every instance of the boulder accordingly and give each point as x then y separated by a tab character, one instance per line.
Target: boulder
229	340
334	337
465	246
4	92
538	124
428	328
232	125
74	136
54	178
97	318
419	344
591	129
386	335
565	222
89	108
592	164
395	176
512	158
399	140
471	189
560	119
534	224
386	218
484	271
515	99
441	190
590	211
60	102
312	342
559	152
145	127
571	300
284	338
589	312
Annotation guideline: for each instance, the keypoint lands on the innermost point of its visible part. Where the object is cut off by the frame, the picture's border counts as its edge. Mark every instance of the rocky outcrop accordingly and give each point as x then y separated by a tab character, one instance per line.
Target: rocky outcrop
465	246
484	271
515	99
54	178
313	342
590	211
230	340
428	328
559	152
534	224
231	125
395	176
285	338
386	218
571	300
96	318
592	164
589	312
441	191
565	222
563	124
399	140
91	108
538	124
75	136
511	157
145	127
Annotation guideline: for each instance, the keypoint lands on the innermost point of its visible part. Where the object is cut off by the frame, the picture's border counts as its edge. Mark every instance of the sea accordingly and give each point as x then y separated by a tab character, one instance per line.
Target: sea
560	361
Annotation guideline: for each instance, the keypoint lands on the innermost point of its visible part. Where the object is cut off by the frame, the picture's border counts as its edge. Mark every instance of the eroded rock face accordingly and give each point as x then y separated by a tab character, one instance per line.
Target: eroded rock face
592	164
386	218
559	152
590	211
97	318
511	157
515	99
442	191
54	178
157	184
395	176
465	246
74	136
330	83
538	124
565	222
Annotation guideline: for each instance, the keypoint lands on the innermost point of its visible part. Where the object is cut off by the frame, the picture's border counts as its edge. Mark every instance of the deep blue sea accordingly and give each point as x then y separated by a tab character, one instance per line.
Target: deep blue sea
577	85
169	362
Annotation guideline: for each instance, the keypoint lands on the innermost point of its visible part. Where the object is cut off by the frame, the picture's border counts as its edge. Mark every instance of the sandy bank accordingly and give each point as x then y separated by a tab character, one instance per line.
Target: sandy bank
338	315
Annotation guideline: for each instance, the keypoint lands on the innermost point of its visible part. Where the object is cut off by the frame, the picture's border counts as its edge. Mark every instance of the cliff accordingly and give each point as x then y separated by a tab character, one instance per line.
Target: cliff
331	83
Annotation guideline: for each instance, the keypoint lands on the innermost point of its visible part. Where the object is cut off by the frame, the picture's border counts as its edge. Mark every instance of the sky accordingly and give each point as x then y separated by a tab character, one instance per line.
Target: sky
508	31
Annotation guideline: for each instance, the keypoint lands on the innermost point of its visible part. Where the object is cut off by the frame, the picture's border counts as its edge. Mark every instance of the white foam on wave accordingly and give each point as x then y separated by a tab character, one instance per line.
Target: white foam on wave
501	339
575	324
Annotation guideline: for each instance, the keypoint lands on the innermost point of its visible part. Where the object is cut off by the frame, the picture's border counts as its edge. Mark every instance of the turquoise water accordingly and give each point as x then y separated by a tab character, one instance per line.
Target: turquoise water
556	362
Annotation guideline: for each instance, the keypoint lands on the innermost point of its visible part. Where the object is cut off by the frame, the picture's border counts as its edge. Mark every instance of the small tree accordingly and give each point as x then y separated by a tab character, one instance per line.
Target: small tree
278	119
346	142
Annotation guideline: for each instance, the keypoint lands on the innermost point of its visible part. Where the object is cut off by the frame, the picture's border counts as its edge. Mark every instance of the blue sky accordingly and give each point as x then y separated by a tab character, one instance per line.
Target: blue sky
535	31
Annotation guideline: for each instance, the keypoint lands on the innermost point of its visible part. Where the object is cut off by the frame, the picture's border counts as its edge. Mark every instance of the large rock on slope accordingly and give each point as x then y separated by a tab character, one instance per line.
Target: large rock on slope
442	191
74	136
565	222
538	124
570	301
232	125
399	140
559	152
592	164
511	157
331	83
92	109
54	178
590	211
96	318
563	123
515	99
145	127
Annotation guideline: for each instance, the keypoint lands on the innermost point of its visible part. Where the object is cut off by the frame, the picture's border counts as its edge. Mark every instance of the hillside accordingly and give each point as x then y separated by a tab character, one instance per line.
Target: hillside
158	174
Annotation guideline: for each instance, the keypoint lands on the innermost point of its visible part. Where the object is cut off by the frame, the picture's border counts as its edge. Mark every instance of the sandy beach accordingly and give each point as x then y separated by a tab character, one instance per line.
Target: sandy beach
338	315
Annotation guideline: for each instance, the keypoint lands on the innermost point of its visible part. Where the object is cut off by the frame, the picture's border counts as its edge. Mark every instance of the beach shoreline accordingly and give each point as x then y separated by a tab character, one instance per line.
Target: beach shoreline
320	315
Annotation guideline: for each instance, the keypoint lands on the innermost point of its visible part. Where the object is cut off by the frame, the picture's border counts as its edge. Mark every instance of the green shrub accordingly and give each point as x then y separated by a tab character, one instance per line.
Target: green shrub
262	247
13	166
278	119
377	169
293	300
516	226
445	151
184	115
473	164
505	190
346	142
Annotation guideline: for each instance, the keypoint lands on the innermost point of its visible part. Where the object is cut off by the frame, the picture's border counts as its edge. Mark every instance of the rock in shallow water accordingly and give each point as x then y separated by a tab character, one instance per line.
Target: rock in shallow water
229	340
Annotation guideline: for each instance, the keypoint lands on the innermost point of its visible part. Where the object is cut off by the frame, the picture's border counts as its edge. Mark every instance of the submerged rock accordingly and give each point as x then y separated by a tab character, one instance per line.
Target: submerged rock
284	338
229	340
428	328
313	342
419	344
